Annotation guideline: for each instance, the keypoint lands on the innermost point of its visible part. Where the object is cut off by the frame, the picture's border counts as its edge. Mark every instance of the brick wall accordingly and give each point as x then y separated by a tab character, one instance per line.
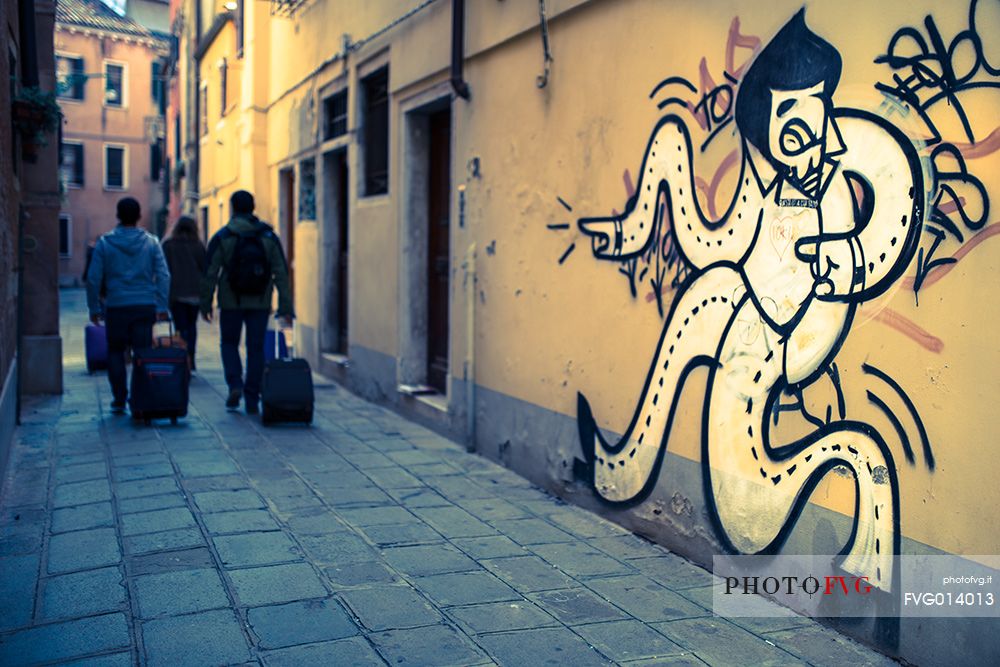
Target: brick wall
8	207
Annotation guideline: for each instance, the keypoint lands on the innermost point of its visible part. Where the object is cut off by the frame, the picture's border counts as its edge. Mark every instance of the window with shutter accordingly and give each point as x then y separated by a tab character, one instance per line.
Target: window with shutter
375	89
114	167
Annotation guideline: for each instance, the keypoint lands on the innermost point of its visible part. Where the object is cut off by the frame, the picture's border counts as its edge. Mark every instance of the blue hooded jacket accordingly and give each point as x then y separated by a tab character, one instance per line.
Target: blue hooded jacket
130	264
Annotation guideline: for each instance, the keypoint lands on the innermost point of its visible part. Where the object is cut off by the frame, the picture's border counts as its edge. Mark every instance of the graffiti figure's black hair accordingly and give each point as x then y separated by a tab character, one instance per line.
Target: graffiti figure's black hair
795	58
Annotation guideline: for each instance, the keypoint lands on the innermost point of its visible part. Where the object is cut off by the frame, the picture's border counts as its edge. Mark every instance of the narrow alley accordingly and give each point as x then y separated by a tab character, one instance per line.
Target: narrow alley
362	540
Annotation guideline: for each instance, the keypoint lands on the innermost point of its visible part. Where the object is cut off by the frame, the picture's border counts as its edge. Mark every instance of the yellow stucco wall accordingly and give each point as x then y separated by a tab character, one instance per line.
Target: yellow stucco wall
545	330
220	148
311	38
577	327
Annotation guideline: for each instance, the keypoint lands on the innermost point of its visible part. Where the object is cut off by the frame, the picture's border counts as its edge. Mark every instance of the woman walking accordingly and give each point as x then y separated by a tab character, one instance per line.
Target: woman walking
185	255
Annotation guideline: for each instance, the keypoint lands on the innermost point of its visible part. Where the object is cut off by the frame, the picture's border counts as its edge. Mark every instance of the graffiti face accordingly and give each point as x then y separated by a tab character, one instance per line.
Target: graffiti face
826	215
797	132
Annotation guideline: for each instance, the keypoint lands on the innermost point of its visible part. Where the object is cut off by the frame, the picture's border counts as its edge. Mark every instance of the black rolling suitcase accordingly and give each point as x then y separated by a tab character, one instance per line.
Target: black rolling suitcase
160	378
286	390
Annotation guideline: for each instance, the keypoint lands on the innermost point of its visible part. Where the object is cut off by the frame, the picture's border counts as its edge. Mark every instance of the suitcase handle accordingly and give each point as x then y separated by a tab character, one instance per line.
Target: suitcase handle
169	321
279	334
290	349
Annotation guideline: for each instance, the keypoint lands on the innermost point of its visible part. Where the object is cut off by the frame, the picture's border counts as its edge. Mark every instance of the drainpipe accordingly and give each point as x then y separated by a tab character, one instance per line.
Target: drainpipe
458	84
165	176
192	170
470	347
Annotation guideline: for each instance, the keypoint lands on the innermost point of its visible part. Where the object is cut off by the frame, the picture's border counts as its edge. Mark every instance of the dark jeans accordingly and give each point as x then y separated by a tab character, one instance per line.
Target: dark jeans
231	322
127	327
186	322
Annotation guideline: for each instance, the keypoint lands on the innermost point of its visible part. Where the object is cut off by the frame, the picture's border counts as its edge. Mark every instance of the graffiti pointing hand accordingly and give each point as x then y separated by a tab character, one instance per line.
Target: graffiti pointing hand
832	260
605	235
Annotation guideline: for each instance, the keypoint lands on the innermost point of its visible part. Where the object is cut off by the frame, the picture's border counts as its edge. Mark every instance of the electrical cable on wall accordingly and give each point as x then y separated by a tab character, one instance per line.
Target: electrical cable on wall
543	78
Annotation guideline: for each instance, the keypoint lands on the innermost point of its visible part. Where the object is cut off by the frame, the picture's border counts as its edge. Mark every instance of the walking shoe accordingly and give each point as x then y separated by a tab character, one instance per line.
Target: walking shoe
233	402
117	407
252	408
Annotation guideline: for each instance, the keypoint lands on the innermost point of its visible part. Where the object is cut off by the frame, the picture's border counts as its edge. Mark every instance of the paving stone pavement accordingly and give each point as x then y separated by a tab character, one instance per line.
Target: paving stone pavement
363	540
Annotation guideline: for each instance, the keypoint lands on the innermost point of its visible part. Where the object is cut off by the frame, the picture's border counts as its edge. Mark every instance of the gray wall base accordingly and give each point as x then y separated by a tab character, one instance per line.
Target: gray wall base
8	416
543	446
42	365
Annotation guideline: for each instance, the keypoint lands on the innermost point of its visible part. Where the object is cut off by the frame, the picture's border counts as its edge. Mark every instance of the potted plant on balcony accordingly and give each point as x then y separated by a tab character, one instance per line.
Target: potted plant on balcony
36	113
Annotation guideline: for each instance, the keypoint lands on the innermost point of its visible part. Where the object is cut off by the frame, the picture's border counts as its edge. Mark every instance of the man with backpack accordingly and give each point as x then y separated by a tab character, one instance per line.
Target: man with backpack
127	286
246	262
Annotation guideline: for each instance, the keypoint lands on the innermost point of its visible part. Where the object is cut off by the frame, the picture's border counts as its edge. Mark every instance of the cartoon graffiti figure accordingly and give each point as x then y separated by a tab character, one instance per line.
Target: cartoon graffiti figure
827	215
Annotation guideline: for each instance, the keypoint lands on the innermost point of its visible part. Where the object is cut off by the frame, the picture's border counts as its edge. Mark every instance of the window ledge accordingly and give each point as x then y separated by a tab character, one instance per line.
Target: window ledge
373	200
416	389
422	393
337	359
435	401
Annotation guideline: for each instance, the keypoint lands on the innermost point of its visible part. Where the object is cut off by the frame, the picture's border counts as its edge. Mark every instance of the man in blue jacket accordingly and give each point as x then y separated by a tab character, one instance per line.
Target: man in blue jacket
129	263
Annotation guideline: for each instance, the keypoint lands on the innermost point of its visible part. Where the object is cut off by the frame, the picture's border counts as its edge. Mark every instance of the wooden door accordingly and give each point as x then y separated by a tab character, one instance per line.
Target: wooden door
342	273
439	248
288	222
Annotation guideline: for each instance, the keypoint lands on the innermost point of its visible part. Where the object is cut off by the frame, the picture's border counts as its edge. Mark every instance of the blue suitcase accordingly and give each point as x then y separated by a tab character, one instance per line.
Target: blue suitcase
287	387
160	378
96	347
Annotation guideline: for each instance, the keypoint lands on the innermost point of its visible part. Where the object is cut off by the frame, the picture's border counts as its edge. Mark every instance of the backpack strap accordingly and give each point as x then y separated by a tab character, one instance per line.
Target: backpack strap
269	233
215	242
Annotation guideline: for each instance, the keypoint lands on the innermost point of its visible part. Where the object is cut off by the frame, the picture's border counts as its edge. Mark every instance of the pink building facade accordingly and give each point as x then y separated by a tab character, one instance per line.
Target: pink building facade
110	82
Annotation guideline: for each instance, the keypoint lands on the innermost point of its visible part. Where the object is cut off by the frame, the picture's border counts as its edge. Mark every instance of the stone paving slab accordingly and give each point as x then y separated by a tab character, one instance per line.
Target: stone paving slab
358	574
387	607
276	583
209	638
463	588
96	515
719	642
517	614
625	641
363	540
172	593
149	503
81	493
645	599
553	646
307	622
528	574
183	538
83	594
18	580
577	606
46	643
83	549
429	645
353	652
